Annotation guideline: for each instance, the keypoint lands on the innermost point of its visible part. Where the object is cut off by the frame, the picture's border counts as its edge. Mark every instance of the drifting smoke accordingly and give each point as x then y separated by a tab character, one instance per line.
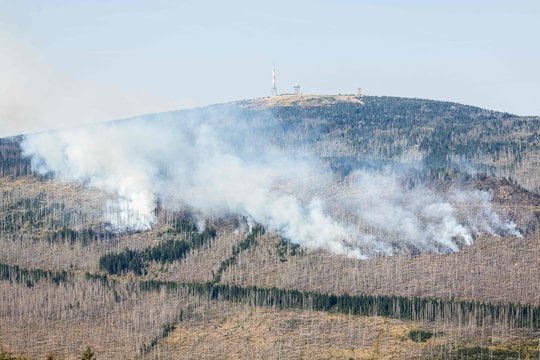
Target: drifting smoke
222	164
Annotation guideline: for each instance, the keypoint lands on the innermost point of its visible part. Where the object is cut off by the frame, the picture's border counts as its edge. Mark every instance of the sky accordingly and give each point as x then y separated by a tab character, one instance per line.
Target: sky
67	62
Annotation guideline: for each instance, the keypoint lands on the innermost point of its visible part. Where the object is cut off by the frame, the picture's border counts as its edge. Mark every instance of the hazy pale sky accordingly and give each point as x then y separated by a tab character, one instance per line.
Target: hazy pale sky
67	62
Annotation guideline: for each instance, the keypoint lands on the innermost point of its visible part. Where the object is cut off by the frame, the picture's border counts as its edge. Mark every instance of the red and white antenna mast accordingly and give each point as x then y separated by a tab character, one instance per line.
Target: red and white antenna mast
274	89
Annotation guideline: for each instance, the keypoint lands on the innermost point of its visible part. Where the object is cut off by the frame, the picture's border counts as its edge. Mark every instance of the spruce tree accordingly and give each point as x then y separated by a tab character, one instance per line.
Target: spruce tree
88	354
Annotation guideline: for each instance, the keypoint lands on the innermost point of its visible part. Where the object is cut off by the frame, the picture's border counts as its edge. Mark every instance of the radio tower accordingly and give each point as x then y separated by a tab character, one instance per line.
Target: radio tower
274	89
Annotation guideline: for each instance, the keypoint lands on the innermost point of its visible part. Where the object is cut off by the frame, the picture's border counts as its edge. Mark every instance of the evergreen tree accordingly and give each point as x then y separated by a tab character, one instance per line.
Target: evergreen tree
88	354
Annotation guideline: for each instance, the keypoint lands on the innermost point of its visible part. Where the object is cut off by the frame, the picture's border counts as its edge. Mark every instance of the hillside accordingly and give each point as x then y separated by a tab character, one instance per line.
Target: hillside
375	131
201	281
450	137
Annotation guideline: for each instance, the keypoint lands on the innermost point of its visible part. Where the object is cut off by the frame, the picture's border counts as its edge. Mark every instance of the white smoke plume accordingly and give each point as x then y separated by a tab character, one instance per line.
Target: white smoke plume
220	164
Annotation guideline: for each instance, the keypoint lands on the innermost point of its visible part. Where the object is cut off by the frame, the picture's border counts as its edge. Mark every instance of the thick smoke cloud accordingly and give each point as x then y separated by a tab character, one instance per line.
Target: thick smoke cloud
219	164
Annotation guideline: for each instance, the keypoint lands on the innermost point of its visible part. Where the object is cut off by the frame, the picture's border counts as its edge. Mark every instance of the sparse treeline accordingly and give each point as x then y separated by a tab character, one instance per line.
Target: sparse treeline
248	242
30	277
407	308
12	163
416	309
286	248
28	213
99	296
165	252
35	214
115	317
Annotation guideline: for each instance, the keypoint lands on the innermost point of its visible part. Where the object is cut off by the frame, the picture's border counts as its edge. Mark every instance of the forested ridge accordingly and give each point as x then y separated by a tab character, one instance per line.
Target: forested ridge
449	137
71	283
